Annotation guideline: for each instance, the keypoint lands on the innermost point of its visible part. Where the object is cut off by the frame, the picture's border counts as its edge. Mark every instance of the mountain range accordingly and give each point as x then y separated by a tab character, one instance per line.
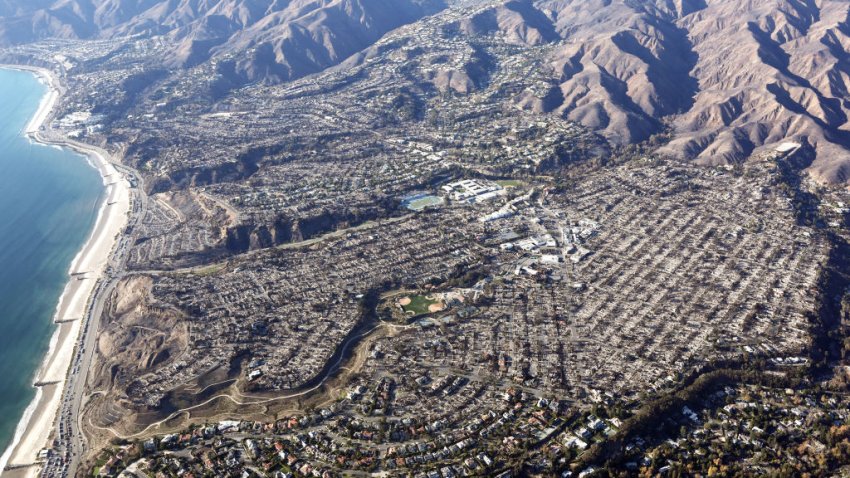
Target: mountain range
274	40
723	78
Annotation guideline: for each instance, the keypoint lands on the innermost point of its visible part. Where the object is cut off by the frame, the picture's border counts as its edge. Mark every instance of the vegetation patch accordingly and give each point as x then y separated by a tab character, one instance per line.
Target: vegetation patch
414	305
210	270
510	183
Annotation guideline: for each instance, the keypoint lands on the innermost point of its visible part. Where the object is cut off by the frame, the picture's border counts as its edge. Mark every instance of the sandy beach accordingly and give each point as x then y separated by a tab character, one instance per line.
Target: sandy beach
36	428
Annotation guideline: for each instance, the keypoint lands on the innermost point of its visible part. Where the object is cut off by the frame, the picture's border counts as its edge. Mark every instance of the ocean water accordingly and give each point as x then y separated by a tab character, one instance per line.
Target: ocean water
48	204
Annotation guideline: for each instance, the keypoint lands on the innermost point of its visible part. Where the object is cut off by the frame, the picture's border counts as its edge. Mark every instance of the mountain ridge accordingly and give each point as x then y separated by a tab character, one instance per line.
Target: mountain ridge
724	78
275	40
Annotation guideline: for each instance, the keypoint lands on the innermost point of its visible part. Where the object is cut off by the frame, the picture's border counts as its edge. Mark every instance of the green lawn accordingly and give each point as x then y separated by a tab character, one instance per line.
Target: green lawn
418	305
210	270
510	183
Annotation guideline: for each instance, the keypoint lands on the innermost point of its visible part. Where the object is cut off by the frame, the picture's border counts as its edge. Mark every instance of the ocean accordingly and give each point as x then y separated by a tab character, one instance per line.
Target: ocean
49	199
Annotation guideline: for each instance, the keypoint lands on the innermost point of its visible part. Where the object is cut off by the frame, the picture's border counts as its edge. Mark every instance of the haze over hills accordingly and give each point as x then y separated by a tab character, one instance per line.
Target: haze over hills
475	227
726	77
274	40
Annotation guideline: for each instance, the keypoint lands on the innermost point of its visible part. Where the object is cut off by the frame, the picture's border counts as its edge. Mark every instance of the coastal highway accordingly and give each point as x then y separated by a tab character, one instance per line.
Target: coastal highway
71	445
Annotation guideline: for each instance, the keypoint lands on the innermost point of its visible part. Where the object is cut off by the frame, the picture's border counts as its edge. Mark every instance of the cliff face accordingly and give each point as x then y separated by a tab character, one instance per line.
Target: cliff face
259	235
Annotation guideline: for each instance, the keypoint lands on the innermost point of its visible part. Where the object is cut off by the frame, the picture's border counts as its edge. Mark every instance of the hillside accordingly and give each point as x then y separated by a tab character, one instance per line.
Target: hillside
273	40
726	77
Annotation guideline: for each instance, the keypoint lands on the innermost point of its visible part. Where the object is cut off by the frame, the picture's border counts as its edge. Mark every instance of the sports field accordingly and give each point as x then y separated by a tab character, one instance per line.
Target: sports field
420	304
419	202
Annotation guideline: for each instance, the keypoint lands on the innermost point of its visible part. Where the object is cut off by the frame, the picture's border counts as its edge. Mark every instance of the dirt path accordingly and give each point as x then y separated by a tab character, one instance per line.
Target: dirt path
327	390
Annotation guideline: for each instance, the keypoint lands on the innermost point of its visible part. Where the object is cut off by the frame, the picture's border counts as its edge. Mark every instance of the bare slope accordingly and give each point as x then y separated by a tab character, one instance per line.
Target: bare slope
271	40
726	76
776	70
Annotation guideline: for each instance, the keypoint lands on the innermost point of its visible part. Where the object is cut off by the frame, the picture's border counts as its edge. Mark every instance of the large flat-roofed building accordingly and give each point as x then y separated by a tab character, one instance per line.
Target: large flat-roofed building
473	190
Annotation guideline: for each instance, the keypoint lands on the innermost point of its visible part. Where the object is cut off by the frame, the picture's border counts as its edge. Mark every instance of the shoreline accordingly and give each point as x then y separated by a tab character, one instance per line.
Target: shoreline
37	427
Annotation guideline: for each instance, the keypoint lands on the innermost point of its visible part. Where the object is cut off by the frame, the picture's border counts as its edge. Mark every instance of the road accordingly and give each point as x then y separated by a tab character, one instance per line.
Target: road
71	442
320	380
72	446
